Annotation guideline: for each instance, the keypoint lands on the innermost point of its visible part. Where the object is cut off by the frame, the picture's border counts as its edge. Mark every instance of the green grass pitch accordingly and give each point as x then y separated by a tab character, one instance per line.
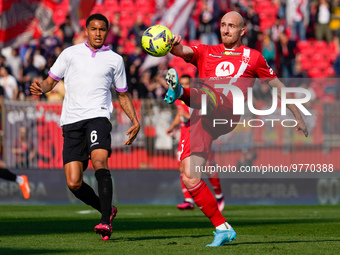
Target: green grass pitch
165	230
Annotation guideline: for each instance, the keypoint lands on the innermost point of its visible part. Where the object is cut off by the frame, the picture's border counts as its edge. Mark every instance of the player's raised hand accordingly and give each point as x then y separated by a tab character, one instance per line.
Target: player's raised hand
301	125
132	133
181	50
35	88
176	40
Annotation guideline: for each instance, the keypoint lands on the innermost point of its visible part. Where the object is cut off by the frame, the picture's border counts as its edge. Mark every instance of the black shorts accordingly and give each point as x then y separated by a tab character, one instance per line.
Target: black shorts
82	137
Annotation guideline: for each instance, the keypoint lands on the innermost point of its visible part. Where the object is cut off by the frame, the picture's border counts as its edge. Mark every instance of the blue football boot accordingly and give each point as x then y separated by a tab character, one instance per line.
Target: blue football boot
222	237
175	89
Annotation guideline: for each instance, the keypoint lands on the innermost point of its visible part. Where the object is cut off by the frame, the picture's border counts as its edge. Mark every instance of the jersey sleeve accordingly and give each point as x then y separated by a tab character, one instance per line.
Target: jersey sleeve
263	70
197	53
119	77
59	67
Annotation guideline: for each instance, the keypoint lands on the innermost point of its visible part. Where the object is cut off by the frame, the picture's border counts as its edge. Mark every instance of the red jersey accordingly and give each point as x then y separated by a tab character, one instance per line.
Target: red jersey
243	62
181	105
185	129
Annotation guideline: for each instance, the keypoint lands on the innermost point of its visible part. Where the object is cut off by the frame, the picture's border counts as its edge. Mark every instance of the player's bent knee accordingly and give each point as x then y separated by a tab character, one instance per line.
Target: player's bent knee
73	186
190	182
99	164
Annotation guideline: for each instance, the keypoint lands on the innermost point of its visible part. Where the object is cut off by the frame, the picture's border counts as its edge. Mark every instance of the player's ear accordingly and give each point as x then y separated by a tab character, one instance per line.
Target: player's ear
243	30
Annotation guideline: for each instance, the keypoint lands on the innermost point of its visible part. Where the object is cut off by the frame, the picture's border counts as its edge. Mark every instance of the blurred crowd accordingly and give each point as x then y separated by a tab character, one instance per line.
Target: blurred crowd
295	21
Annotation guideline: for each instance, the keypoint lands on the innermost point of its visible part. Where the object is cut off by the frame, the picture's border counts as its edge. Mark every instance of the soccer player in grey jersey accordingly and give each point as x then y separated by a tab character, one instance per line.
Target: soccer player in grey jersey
89	69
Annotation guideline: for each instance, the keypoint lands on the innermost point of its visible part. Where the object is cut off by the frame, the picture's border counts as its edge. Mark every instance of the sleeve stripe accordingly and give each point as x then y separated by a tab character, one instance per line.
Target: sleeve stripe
121	90
54	77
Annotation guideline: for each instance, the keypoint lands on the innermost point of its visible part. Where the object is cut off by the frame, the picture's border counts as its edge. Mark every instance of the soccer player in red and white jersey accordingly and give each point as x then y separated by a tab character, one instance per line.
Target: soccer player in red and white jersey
89	70
227	61
183	118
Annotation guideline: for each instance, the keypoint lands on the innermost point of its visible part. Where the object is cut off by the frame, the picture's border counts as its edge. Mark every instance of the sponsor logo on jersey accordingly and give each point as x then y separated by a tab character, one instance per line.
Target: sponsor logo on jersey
215	56
94	144
224	68
231	53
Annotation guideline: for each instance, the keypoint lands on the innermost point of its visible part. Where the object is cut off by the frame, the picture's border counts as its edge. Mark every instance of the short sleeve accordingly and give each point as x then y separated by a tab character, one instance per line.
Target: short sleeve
59	67
197	52
119	78
263	70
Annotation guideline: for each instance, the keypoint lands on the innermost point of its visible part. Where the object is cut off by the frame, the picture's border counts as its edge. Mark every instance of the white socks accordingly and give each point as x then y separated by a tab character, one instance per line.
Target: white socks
189	200
219	196
224	226
19	179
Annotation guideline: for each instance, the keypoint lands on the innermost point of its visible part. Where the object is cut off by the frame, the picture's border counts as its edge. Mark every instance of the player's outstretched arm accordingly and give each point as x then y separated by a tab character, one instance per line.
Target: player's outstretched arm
127	106
38	88
180	50
174	123
301	125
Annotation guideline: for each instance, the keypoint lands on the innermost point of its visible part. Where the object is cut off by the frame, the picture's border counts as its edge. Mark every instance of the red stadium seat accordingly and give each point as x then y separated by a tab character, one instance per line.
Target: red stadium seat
315	73
127	6
304	46
129	46
145	7
307	49
127	19
306	62
98	8
320	45
111	6
320	61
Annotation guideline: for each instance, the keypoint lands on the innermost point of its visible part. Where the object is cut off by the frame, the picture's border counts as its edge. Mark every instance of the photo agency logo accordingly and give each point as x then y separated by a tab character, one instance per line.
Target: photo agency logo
238	104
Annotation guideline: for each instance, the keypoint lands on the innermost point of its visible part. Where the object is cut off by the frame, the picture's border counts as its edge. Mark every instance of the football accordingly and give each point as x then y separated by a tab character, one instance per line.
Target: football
157	40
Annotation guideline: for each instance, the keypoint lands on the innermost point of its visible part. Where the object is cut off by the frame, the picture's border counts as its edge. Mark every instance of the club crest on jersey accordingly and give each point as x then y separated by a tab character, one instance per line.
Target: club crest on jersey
231	53
224	68
245	59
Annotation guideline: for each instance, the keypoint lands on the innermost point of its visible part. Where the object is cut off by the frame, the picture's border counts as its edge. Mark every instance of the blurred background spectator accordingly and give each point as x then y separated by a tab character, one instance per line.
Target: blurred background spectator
287	55
137	30
208	20
13	61
323	18
67	30
252	23
297	15
8	83
23	149
115	32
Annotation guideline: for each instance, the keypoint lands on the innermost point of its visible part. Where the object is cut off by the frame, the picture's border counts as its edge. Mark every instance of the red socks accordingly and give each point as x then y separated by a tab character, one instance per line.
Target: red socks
215	183
206	201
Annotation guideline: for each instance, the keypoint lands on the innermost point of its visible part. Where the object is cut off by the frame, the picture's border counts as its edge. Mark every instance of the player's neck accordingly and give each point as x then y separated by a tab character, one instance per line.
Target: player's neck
232	46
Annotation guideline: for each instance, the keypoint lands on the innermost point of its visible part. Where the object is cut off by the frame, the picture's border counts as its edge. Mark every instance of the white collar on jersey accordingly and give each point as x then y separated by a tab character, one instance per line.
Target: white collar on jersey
94	52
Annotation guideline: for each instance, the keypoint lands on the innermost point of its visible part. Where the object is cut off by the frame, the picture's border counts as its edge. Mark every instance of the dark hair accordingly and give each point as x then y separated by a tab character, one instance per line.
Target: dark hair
185	76
97	16
7	68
